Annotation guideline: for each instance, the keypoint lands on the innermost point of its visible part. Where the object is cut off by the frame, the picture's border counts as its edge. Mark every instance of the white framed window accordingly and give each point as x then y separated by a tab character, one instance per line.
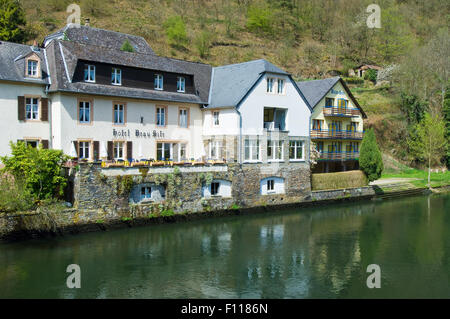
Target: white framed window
252	150
183	120
216	121
220	188
215	149
85	112
270	82
161	116
270	185
146	193
119	114
280	86
159	82
32	68
118	150
89	73
182	155
181	84
116	76
164	151
84	150
214	188
274	150
31	108
296	150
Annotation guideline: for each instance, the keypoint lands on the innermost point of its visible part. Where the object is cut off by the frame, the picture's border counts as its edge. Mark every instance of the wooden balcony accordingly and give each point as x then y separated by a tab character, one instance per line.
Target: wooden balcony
340	111
335	156
333	134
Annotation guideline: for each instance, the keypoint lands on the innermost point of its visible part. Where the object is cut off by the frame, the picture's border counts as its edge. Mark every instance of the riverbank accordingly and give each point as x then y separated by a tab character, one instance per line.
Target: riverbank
61	222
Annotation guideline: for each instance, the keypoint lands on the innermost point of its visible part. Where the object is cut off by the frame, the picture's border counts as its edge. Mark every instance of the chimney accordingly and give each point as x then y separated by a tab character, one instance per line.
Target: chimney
87	22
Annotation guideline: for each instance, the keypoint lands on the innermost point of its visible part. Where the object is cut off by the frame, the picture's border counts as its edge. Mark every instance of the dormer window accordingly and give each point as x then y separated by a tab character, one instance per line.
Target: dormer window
270	85
116	76
280	89
159	79
181	84
89	73
32	68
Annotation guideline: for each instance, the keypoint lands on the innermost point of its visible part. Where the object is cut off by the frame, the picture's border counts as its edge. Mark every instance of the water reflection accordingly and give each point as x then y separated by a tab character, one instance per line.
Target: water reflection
318	252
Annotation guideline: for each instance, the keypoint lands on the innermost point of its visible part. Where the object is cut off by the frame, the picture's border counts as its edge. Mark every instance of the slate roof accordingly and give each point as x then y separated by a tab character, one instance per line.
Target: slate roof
231	83
12	63
64	56
315	90
100	38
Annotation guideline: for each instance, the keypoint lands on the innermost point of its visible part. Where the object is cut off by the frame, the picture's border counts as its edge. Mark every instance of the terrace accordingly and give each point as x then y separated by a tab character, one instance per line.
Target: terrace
338	156
337	134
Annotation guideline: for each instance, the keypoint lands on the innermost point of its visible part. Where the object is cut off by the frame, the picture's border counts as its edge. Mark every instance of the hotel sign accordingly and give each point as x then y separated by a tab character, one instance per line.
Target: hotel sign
126	133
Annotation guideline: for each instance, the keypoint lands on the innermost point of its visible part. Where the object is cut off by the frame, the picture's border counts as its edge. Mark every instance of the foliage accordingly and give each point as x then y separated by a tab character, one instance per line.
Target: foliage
260	18
167	213
446	112
124	184
353	80
371	75
14	195
12	21
203	43
40	169
176	31
370	160
340	180
413	108
429	142
420	177
314	154
127	47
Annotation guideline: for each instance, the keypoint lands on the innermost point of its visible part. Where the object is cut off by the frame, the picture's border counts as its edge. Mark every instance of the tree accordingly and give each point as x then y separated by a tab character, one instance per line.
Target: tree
446	112
203	42
176	31
127	47
370	160
39	168
260	18
429	142
12	21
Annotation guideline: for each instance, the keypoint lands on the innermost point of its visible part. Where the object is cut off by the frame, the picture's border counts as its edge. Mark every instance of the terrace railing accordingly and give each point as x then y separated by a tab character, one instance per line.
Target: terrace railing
340	111
338	155
336	134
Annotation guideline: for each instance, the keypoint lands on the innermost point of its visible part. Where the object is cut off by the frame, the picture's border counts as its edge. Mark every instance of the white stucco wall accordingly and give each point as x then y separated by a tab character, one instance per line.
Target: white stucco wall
12	128
224	189
278	186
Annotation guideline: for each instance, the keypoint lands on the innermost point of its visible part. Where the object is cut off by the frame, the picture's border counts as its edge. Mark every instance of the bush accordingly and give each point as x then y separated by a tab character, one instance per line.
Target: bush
260	18
127	47
14	196
38	168
371	75
203	43
340	180
370	160
176	31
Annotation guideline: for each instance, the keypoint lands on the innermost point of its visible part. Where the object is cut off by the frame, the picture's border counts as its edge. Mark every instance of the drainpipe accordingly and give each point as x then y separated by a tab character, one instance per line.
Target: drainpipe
240	137
50	120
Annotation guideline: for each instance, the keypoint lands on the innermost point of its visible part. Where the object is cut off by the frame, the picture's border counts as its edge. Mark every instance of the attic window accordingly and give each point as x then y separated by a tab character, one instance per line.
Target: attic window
32	68
89	73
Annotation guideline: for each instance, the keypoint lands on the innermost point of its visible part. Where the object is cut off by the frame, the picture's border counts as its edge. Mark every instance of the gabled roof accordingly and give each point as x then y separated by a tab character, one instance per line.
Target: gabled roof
99	38
12	63
64	56
314	91
231	83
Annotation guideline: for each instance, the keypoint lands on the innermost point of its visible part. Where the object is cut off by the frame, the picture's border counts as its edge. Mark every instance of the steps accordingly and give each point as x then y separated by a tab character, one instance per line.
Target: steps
399	190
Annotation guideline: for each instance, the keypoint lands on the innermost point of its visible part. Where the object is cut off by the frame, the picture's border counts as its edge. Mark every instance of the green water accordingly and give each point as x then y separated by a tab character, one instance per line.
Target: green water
318	252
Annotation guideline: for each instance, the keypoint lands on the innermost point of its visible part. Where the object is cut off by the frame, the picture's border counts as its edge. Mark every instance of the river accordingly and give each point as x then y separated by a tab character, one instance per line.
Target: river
317	252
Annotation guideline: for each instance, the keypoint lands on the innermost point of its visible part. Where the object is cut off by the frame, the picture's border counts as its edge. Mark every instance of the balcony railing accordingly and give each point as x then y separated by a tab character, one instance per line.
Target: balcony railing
334	134
340	111
338	155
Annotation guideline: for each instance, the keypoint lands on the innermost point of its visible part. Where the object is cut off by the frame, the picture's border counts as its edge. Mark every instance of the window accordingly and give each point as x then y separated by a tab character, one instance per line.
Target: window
329	101
342	103
181	84
280	88
296	150
215	188
317	125
83	150
182	152
319	147
216	118
119	114
251	150
274	150
270	85
32	68
183	118
32	143
164	151
85	112
146	193
116	76
215	149
32	108
118	150
89	73
161	116
270	185
159	79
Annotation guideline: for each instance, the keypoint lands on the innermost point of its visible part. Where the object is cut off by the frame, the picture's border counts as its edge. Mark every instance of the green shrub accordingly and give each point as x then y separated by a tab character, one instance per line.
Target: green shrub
127	47
371	75
260	18
203	43
167	213
38	168
176	31
14	195
339	180
370	160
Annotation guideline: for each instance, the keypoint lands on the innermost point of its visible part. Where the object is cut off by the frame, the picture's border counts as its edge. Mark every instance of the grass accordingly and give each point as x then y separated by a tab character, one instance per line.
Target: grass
437	179
340	180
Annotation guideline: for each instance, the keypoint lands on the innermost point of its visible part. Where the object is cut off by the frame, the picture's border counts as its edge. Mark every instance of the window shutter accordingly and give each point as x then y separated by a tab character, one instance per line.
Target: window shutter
44	144
21	107
129	151
77	149
110	150
96	150
44	109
